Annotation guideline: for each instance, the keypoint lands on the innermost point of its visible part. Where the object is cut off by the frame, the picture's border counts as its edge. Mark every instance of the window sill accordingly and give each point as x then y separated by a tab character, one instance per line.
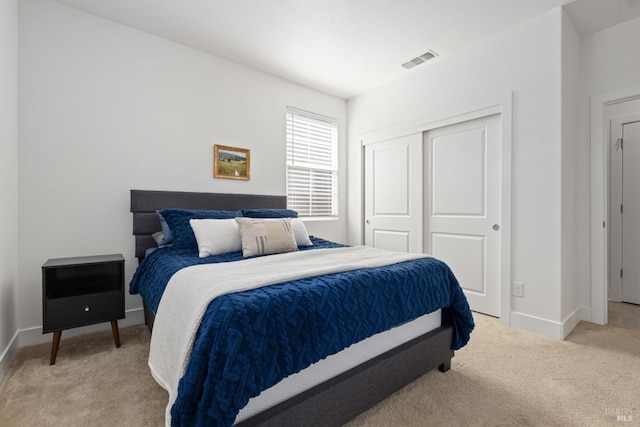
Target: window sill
318	218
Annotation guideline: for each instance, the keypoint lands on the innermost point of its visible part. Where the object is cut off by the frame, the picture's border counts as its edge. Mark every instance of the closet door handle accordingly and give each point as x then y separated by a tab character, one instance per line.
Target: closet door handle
496	227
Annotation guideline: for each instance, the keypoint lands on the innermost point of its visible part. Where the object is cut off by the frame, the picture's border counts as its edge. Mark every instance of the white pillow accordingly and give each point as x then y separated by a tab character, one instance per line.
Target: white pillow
264	236
300	232
216	236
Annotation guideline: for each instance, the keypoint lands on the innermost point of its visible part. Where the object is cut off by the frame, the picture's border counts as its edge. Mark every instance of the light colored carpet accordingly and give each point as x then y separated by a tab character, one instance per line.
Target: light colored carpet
504	377
93	383
509	377
624	315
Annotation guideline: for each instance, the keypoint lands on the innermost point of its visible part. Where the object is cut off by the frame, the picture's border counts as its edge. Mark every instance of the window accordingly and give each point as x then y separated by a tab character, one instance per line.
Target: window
312	164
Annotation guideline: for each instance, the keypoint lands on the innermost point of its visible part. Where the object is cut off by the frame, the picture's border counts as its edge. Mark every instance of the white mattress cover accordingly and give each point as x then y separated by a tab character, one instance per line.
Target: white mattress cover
339	363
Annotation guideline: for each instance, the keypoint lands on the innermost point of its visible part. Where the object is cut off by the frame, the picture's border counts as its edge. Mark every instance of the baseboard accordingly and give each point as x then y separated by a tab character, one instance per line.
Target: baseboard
33	336
585	313
546	327
571	321
8	355
538	325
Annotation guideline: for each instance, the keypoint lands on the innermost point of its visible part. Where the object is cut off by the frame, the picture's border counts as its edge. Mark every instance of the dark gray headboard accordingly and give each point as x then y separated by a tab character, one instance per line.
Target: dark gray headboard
145	203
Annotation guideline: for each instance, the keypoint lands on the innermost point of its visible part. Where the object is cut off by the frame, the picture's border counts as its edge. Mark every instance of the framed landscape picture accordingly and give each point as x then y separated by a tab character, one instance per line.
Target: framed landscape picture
231	162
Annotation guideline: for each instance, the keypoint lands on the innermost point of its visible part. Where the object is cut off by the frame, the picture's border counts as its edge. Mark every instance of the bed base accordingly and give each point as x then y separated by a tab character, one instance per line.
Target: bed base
342	398
337	400
345	396
149	316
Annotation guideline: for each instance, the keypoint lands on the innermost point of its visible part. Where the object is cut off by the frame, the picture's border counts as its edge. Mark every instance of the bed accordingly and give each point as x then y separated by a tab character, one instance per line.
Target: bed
336	388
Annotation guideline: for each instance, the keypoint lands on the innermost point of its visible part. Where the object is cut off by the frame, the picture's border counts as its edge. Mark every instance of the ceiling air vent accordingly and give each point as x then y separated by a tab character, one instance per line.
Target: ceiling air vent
419	59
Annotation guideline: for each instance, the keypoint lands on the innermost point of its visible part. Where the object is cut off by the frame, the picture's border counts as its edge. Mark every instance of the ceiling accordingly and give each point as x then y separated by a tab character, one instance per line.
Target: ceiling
342	47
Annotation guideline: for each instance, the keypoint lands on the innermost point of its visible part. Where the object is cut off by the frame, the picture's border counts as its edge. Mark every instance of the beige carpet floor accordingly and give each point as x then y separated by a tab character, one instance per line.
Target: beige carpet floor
624	315
93	383
504	377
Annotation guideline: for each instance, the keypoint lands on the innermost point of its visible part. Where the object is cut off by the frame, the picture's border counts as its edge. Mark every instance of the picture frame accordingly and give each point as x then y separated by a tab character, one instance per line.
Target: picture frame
231	162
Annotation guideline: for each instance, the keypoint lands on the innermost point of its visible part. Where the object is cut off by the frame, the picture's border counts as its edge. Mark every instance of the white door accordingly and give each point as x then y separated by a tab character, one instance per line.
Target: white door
463	184
624	208
393	194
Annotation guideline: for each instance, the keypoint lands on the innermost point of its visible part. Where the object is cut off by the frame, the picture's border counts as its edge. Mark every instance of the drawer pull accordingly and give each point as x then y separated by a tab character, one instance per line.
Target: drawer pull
86	308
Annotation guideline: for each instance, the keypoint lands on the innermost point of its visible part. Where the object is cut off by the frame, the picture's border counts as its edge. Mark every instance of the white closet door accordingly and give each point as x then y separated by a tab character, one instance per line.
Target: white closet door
463	182
393	194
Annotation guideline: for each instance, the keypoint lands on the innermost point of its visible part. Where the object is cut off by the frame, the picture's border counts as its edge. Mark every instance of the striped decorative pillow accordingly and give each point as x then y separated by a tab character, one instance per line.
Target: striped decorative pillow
263	236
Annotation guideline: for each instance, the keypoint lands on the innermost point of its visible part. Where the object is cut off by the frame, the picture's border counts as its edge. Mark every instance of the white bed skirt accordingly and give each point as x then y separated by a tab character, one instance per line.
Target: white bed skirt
339	363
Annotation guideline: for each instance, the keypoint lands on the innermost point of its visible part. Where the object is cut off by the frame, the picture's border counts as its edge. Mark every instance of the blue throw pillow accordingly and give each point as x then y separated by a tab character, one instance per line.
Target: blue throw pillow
269	213
177	221
168	238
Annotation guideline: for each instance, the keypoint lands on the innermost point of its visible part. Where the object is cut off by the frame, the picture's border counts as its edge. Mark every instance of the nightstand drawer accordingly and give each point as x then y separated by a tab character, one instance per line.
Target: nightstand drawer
80	310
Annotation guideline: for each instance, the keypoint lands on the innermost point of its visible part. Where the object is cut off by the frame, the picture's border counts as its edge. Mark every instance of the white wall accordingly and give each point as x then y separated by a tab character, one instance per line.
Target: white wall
527	61
105	108
8	178
610	58
572	219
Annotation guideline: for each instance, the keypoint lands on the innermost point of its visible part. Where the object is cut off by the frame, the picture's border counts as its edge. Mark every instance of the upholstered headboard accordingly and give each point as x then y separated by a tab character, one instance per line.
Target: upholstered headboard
145	203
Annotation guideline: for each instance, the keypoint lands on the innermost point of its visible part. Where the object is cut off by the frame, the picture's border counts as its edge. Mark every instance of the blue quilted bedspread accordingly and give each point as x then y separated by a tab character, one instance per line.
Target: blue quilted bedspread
248	341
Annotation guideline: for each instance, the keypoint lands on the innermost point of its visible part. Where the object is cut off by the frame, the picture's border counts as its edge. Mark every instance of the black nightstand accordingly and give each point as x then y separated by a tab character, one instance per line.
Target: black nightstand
82	291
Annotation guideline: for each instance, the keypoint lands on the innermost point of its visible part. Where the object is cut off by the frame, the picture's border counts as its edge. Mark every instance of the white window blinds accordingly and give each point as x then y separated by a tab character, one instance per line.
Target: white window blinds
312	164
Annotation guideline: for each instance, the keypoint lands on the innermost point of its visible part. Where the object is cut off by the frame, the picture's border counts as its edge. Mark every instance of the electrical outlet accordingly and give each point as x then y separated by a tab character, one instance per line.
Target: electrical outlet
517	289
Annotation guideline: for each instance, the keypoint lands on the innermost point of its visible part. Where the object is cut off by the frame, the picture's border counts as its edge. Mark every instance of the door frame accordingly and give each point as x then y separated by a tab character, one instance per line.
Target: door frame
600	198
504	107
